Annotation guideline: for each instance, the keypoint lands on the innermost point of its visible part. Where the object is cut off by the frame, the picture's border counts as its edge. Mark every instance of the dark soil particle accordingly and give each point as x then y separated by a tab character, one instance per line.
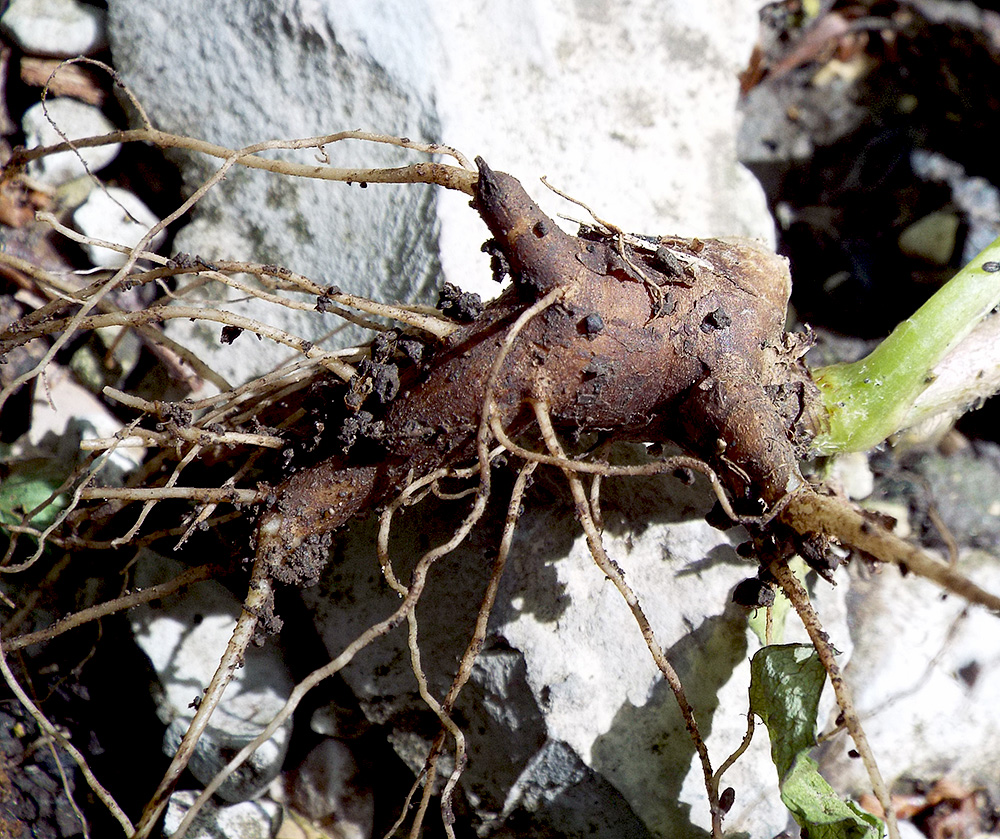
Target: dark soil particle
753	593
715	320
230	334
463	306
592	324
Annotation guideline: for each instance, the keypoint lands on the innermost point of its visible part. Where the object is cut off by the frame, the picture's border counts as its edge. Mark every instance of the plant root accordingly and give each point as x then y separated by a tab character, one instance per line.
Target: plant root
811	512
466	663
259	601
631	338
614	573
821	641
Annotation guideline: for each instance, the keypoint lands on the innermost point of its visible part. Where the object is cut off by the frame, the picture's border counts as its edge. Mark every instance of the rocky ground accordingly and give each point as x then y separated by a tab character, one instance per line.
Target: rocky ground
862	123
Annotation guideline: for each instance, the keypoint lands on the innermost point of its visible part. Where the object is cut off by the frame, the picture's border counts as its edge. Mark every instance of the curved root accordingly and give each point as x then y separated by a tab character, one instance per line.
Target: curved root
800	600
613	573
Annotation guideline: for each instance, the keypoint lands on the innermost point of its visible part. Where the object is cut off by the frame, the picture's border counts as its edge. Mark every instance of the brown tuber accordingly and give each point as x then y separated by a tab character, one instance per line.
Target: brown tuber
718	374
642	340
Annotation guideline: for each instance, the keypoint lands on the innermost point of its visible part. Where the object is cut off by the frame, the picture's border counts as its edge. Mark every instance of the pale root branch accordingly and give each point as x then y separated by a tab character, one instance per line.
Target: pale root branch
613	573
808	511
63	294
601	469
142	438
413	593
117	278
147	507
110	607
172	312
820	640
461	178
258	597
466	664
728	763
214	495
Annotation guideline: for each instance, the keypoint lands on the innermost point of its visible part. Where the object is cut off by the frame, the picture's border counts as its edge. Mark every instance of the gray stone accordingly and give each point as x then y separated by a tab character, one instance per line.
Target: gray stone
60	28
823	114
565	672
931	237
926	677
246	820
975	197
115	215
962	488
288	69
633	112
74	119
184	637
325	787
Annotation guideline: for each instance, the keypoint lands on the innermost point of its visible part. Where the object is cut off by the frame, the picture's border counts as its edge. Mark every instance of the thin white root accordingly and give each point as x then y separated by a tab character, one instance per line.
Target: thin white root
51	731
465	667
373	632
109	607
257	599
450	177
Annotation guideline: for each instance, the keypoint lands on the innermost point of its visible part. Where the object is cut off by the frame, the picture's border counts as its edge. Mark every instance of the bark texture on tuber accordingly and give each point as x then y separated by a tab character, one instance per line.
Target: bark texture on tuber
650	339
635	338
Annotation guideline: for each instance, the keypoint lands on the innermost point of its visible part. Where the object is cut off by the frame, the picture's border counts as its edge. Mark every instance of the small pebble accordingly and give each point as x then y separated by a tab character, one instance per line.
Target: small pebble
934	166
59	28
326	787
931	238
114	215
593	324
978	198
76	120
247	820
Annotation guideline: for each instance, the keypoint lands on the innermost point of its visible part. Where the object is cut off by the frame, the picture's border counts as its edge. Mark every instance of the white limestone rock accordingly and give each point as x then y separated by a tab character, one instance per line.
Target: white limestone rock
58	28
629	109
570	726
246	820
70	412
632	111
115	215
184	637
925	675
75	119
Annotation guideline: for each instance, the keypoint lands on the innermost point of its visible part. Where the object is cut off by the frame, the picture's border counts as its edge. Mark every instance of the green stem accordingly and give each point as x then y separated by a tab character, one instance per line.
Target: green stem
867	400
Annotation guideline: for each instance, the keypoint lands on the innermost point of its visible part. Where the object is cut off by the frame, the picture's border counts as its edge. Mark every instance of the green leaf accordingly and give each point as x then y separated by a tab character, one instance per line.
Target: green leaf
819	811
786	681
23	489
785	686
